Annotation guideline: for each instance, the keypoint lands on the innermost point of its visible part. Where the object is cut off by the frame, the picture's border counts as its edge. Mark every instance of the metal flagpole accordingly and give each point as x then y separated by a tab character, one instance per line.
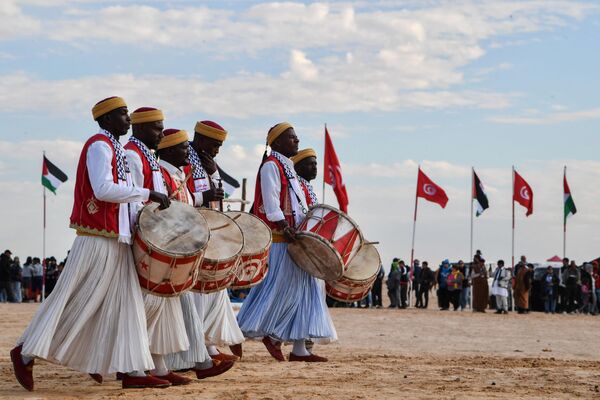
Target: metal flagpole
513	237
44	242
472	193
324	172
564	219
412	250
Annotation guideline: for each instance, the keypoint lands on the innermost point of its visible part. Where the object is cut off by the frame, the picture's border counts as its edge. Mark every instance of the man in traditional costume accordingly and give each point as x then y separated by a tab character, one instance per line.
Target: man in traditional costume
288	305
164	316
94	320
220	324
174	155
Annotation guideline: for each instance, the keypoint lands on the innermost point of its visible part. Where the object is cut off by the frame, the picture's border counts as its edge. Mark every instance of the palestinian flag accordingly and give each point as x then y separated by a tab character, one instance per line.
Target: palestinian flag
479	195
569	207
229	183
52	176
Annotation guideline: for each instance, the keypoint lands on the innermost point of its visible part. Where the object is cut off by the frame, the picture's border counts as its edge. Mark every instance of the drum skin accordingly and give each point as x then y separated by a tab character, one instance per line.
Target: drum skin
257	242
358	280
168	247
223	252
316	256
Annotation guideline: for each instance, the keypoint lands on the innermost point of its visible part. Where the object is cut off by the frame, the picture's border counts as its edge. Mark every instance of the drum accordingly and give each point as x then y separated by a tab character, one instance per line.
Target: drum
257	242
327	240
168	247
223	253
358	280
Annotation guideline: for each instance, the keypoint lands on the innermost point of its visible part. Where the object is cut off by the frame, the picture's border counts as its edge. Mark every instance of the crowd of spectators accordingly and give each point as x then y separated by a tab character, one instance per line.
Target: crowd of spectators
25	283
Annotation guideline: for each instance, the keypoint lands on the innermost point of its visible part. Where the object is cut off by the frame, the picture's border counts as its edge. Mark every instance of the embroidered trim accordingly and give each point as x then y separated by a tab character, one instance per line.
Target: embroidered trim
311	192
147	153
289	174
85	231
198	169
122	167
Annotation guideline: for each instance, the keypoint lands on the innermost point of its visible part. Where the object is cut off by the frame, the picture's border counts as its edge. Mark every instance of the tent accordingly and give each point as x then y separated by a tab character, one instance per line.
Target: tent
554	259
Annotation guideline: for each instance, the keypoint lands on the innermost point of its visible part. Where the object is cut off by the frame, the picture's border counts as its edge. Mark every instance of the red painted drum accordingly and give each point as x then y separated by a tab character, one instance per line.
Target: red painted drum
223	253
327	240
255	254
168	247
358	280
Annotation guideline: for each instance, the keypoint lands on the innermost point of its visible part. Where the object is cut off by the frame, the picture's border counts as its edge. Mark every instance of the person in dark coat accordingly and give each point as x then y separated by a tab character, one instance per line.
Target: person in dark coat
376	289
393	284
427	282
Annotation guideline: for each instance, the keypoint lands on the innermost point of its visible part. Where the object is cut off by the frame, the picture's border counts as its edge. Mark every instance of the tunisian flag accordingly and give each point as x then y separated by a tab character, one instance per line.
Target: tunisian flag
333	173
430	191
523	194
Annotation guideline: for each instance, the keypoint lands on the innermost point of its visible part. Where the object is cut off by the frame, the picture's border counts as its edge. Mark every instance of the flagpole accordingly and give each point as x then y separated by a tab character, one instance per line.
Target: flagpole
412	250
564	219
324	149
472	189
44	243
513	219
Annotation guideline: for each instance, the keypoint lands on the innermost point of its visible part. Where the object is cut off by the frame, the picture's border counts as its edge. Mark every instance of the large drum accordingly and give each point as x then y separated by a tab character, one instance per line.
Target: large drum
168	247
257	242
358	280
223	253
327	240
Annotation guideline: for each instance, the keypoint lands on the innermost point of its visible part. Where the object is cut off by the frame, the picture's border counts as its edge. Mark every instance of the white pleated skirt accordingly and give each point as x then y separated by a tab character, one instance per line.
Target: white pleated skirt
94	320
166	329
194	326
334	336
220	324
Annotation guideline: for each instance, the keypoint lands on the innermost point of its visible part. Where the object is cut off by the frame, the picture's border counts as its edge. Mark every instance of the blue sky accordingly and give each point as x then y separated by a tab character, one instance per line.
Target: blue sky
447	85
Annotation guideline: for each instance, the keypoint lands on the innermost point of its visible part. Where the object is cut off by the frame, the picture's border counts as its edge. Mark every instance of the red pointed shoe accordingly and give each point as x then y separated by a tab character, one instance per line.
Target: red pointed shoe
236	349
308	358
23	372
224	357
140	382
218	368
274	349
96	377
176	380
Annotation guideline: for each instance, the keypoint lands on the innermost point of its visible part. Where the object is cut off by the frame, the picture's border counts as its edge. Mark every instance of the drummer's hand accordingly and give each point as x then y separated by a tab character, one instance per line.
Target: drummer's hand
288	231
215	194
208	163
160	198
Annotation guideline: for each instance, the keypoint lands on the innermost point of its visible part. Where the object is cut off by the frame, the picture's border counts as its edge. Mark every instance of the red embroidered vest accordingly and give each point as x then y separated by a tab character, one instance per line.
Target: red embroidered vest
172	185
90	215
146	169
309	201
285	201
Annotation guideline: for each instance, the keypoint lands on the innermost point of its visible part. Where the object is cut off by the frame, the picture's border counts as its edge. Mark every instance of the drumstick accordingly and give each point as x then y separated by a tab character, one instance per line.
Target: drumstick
221	201
182	184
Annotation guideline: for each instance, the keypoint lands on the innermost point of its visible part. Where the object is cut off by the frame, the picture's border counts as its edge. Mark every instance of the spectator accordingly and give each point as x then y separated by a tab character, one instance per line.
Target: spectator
442	282
376	289
15	280
572	281
479	276
502	278
551	285
27	278
522	287
404	281
586	289
416	282
562	290
454	282
5	262
596	279
393	284
465	293
37	280
427	282
51	275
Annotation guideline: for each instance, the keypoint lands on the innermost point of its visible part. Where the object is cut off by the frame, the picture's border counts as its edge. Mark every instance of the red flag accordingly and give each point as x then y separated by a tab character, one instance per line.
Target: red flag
333	173
430	191
523	194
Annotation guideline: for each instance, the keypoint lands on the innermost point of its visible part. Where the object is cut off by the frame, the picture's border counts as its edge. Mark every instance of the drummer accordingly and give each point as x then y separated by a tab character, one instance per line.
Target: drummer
288	306
166	329
174	155
220	324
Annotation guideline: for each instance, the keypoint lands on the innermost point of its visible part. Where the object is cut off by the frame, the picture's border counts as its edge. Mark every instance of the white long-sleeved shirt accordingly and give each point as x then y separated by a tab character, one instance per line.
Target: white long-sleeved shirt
179	176
99	164
270	185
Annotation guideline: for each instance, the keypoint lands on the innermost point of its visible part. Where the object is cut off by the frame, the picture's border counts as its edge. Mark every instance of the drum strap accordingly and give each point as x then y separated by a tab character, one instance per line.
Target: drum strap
289	175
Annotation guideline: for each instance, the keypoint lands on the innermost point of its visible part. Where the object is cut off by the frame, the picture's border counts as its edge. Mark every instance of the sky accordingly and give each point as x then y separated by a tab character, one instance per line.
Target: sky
447	85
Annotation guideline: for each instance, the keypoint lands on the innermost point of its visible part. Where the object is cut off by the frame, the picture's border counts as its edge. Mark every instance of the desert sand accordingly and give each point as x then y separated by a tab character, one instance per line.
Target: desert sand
381	354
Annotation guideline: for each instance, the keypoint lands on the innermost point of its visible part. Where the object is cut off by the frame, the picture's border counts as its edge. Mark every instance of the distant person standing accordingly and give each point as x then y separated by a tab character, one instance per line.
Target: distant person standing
15	280
522	287
393	284
572	281
27	278
404	282
377	286
502	278
465	293
416	282
561	305
427	282
454	283
5	262
479	276
38	276
550	282
442	282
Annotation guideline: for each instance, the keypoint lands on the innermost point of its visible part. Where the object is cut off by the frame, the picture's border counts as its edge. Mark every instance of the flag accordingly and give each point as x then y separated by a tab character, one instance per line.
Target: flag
479	195
523	194
52	176
430	191
570	208
229	183
333	173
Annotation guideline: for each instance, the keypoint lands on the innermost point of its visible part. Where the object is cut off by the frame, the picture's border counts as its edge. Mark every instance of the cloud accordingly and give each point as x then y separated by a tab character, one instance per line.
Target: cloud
14	23
550	119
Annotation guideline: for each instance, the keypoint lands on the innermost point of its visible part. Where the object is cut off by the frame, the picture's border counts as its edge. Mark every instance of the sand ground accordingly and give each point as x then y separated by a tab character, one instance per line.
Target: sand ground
381	354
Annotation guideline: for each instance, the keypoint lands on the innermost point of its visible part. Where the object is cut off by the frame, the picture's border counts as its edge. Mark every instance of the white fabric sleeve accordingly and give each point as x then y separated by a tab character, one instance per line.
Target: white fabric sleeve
270	186
198	199
99	165
136	168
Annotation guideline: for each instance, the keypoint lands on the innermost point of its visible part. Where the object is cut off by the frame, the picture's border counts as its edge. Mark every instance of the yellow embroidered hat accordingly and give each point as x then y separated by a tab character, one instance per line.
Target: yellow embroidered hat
107	105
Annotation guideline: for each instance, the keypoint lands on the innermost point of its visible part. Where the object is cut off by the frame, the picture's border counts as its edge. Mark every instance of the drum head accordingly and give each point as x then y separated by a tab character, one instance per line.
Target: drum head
257	235
226	237
365	264
178	230
316	256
